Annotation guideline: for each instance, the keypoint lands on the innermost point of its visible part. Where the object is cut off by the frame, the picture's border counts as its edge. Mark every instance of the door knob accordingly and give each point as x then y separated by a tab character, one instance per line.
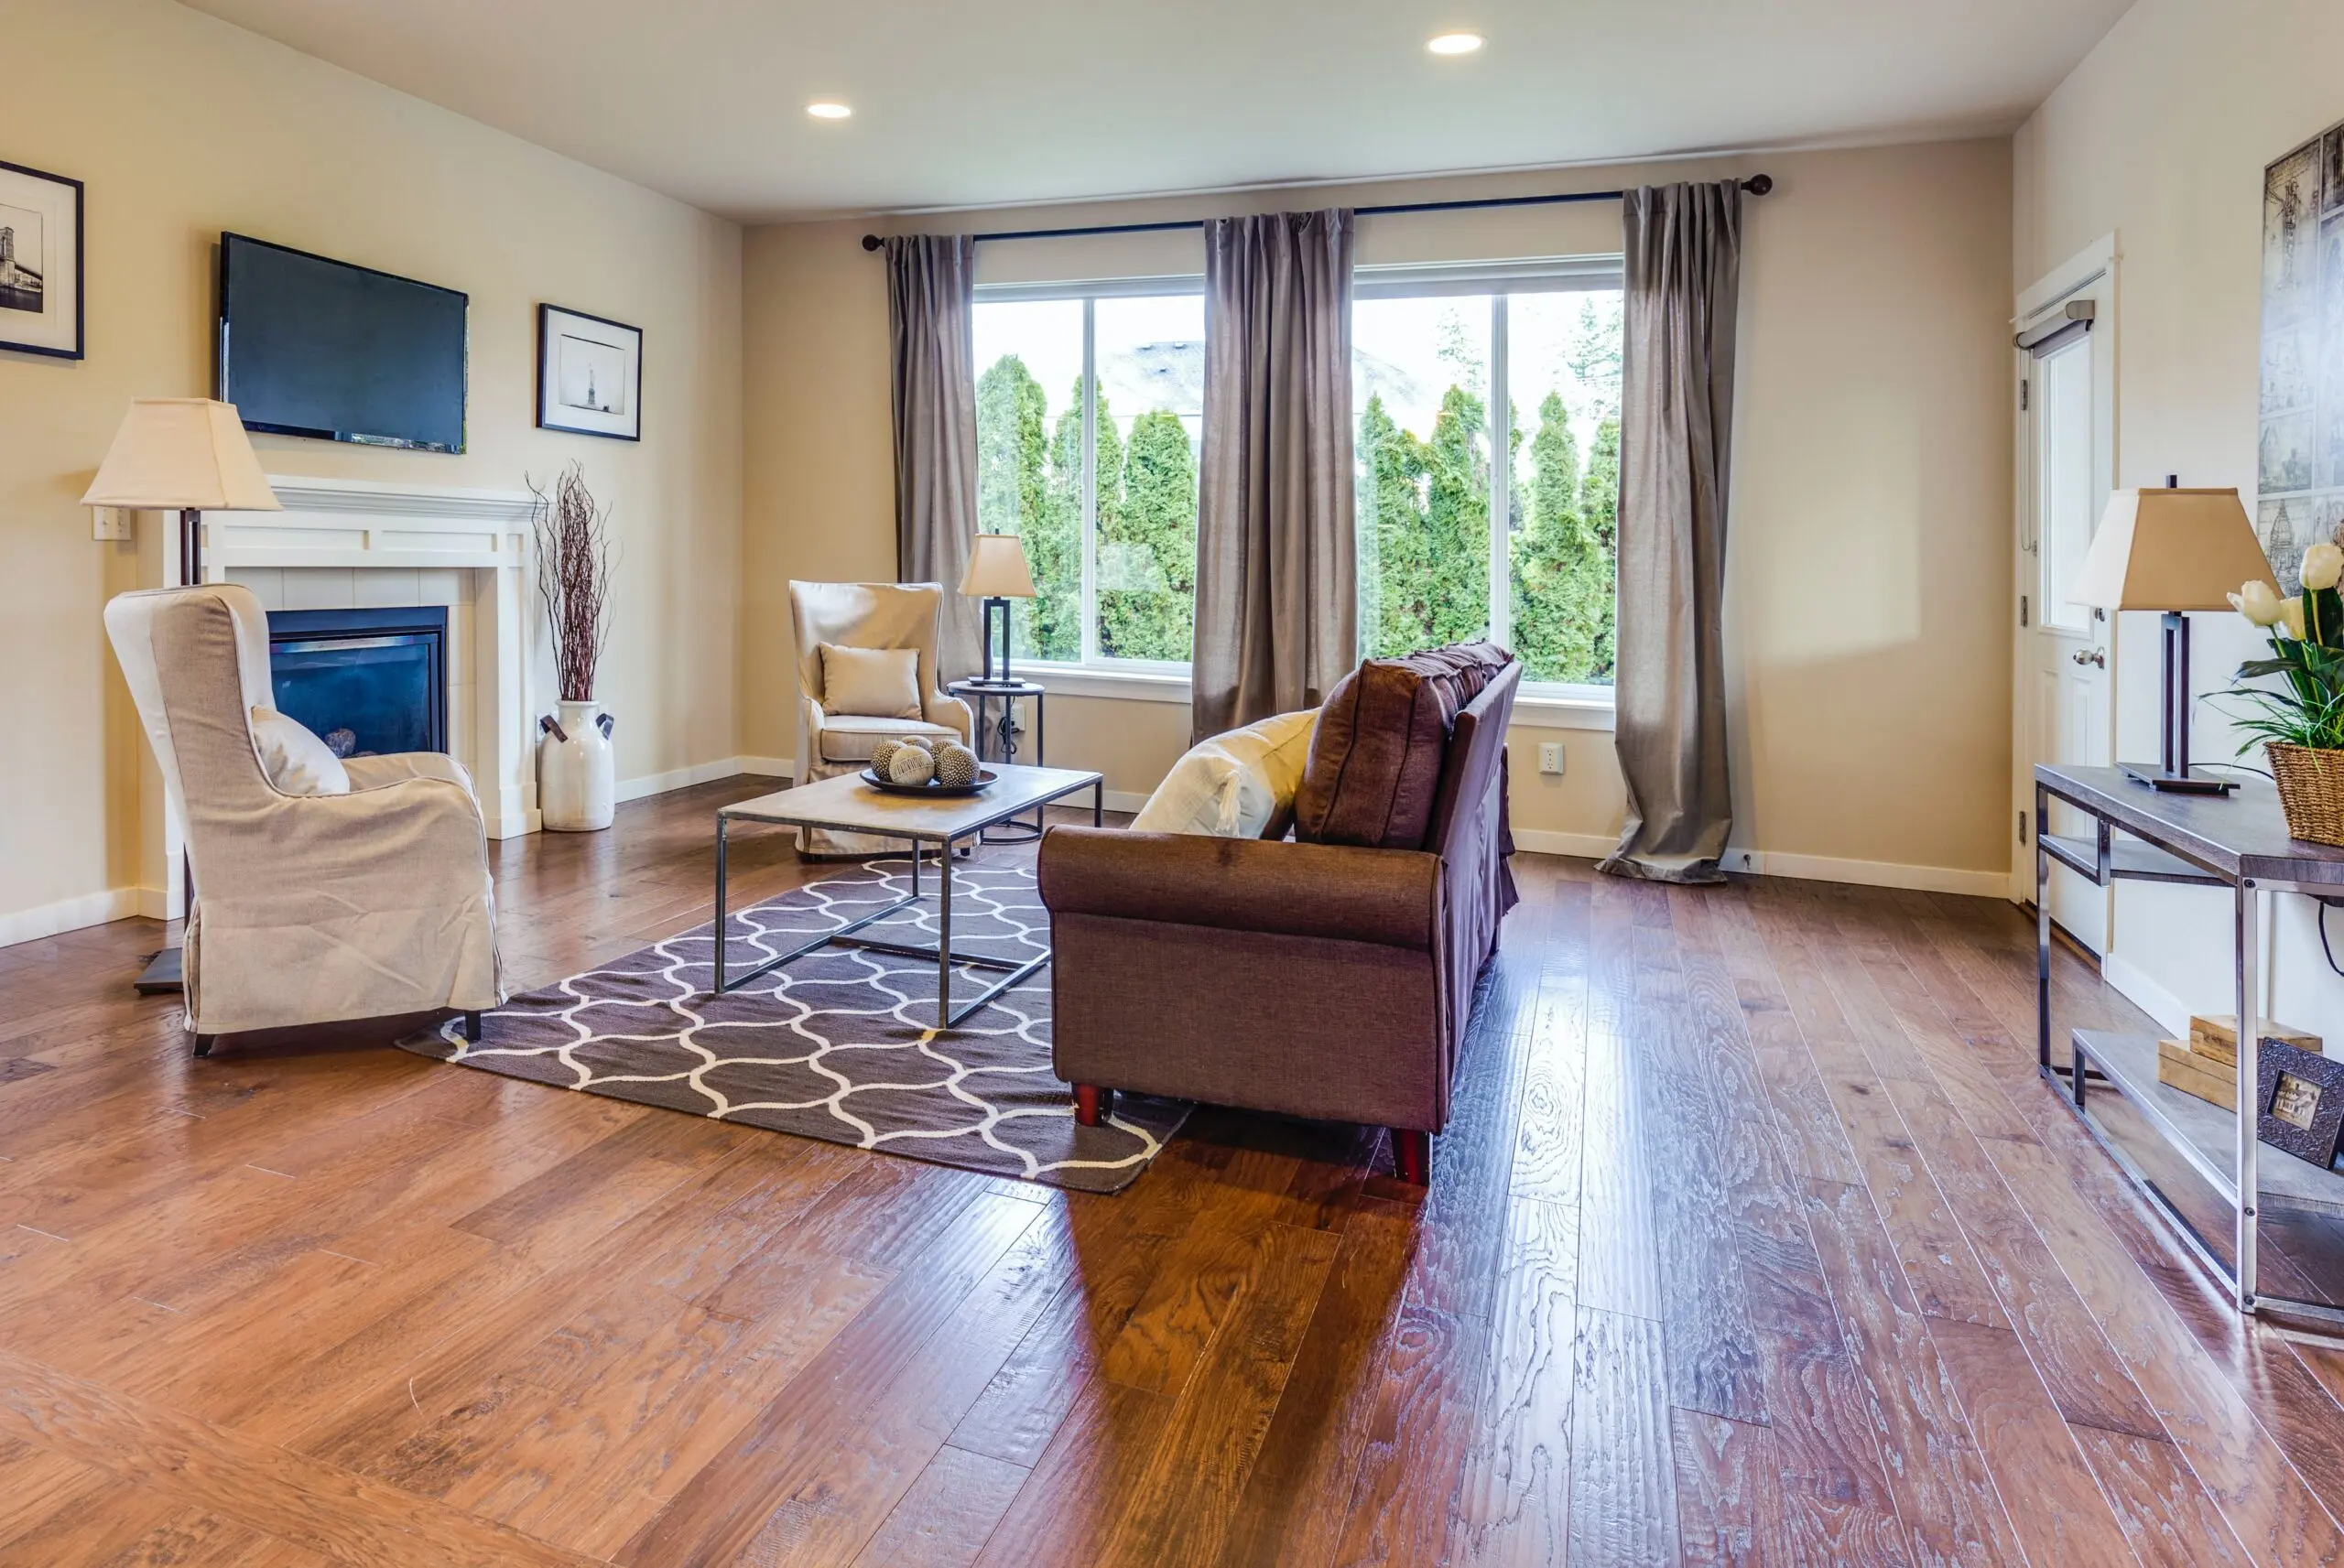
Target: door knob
2092	656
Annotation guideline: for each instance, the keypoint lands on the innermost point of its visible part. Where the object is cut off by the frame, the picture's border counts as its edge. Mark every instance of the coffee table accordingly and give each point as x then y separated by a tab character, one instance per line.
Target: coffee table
847	805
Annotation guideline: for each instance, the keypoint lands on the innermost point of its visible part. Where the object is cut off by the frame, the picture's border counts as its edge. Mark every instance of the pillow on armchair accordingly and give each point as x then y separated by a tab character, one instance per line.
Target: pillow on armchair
871	683
1240	785
1382	736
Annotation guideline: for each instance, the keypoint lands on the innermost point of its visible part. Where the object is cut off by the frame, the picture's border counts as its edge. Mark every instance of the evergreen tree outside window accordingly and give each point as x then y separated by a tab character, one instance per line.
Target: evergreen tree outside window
1110	521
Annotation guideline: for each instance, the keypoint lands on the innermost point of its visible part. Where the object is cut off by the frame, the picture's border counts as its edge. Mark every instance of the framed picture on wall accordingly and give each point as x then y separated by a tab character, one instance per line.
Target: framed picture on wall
40	262
589	374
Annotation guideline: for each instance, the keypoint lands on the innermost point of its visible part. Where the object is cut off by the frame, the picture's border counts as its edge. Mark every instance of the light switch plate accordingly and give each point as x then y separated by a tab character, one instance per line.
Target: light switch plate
109	522
1550	756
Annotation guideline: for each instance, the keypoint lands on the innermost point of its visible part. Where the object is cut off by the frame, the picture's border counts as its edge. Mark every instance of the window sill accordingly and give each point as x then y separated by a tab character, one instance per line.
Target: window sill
1141	685
1563	710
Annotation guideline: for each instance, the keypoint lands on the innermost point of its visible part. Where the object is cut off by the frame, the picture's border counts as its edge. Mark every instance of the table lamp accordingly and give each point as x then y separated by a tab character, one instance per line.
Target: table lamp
188	455
2173	550
997	573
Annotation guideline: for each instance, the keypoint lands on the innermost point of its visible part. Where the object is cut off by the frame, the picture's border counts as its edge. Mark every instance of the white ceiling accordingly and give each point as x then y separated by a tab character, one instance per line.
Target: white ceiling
958	102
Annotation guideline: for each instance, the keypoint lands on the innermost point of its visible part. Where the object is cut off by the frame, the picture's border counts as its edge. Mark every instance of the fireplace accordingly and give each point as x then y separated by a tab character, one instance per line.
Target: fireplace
367	682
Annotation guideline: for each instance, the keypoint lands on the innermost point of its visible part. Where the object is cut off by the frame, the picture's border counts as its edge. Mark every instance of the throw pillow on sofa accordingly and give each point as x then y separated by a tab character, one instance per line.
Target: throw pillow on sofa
1237	785
871	683
1382	740
295	760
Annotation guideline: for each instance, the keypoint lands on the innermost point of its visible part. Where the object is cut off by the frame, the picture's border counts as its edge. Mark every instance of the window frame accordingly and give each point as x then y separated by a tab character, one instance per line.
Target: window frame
1559	701
1088	675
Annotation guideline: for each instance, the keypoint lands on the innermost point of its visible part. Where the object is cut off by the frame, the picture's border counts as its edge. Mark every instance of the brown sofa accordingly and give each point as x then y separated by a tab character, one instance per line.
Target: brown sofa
1330	980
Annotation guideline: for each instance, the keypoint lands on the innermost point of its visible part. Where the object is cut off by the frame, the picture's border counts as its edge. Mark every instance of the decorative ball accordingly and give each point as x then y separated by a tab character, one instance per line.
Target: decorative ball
955	765
925	742
882	755
911	766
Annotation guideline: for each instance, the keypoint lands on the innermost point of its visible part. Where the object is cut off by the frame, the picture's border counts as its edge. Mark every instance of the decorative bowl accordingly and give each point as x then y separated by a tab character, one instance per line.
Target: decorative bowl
984	781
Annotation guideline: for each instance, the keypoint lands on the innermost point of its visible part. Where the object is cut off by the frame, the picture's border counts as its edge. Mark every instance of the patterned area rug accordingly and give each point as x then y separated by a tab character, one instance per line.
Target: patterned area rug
840	1044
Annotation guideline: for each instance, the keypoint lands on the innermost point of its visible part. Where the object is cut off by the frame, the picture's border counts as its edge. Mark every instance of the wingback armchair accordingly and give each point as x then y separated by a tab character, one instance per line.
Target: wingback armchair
308	908
864	615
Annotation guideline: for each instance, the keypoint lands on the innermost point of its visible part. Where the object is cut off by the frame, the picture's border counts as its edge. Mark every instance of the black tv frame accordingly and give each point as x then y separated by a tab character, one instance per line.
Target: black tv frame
219	354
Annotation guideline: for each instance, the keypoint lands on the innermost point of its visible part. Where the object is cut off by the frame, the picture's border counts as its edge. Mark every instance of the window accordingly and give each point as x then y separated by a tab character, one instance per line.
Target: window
1090	408
1445	554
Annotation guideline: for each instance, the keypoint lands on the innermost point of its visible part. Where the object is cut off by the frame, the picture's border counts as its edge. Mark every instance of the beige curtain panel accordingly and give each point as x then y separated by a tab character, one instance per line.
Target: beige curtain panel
1683	267
930	316
1277	597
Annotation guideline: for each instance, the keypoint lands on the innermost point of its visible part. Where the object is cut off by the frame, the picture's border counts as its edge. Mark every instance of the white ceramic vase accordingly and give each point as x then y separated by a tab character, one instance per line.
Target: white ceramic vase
577	776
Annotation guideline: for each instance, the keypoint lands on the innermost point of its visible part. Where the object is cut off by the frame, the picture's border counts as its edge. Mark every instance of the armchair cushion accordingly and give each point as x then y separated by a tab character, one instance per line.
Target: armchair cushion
295	760
1335	892
1237	785
1383	739
879	683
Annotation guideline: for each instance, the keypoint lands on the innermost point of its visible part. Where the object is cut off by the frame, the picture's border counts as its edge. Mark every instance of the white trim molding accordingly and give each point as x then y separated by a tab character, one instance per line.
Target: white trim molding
1092	680
67	914
1802	868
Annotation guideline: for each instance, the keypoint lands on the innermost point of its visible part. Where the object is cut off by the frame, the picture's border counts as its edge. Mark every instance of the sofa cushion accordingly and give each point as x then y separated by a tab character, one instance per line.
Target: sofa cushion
1237	785
883	683
1376	756
849	737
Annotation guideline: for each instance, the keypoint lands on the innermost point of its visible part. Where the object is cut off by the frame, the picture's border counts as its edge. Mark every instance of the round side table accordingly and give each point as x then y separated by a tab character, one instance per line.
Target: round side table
996	739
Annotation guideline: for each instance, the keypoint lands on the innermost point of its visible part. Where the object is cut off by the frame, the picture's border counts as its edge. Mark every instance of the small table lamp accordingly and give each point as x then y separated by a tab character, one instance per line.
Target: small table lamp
997	573
2173	550
188	455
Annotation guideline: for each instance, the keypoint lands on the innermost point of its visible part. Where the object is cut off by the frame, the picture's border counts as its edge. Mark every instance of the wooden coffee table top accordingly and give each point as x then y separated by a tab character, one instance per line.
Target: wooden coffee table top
849	804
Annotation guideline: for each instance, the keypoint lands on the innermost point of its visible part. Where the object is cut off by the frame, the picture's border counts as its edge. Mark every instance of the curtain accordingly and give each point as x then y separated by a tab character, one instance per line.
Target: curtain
1277	601
930	329
1683	267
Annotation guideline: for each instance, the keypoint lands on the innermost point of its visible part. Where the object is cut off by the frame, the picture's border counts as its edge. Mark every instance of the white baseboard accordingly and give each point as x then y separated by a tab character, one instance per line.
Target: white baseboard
67	914
768	767
154	904
1806	868
2133	984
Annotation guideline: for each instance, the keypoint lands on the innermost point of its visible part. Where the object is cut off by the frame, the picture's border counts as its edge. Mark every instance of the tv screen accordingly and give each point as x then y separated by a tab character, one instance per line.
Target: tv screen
313	347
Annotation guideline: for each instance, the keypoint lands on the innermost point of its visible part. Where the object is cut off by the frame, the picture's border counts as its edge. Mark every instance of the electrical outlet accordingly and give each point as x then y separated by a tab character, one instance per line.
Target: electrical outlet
1550	756
109	522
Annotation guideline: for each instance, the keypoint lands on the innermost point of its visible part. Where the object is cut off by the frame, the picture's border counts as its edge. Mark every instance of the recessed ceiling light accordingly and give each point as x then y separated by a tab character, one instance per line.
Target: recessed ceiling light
824	109
1455	43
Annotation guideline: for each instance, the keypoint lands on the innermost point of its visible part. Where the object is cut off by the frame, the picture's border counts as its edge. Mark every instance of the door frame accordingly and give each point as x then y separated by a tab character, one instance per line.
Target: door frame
2092	274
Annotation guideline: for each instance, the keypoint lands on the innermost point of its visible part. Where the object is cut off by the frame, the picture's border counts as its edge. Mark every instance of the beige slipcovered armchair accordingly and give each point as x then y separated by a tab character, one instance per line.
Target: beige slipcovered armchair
864	615
308	908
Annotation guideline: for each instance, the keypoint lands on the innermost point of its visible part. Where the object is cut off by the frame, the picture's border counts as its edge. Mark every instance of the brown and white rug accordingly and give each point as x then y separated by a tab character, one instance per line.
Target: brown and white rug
840	1044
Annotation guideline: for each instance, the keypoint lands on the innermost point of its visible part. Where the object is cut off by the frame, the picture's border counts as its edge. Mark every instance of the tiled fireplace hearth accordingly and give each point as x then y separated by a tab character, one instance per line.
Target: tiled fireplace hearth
346	545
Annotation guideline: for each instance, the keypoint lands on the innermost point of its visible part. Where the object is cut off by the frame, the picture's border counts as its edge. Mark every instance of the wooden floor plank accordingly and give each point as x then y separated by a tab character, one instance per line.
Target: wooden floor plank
1623	1468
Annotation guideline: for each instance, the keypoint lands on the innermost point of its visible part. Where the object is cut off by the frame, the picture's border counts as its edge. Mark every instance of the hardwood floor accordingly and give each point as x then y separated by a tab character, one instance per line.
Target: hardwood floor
1754	1240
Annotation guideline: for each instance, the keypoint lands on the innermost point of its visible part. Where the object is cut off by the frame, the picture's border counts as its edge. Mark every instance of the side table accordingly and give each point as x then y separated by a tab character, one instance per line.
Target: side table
996	740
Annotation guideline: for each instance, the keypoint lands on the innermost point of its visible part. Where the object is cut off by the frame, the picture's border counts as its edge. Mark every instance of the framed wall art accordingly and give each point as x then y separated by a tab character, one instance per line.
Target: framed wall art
40	262
2298	1101
589	374
2300	457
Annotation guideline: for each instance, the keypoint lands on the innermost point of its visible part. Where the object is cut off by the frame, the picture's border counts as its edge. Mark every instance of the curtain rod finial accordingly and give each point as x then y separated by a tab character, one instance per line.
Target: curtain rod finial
1758	184
872	242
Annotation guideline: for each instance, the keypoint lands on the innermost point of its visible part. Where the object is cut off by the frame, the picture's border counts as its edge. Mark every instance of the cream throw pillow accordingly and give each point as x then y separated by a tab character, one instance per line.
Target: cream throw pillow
296	760
1237	785
873	683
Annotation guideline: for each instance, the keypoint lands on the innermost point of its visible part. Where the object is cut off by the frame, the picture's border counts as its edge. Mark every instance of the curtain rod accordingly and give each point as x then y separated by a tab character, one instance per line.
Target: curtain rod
1757	185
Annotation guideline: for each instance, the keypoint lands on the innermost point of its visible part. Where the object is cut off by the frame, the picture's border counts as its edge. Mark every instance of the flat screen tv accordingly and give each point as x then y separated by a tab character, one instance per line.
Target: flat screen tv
314	347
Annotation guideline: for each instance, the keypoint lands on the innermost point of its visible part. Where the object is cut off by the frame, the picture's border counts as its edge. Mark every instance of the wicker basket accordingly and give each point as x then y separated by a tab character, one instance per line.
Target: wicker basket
2311	790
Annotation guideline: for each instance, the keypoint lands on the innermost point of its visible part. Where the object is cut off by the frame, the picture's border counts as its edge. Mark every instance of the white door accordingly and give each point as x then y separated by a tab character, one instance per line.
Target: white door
2064	708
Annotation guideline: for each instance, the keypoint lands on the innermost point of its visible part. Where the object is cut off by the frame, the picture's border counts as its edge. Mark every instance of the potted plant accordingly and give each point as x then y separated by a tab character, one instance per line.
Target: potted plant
577	779
2300	721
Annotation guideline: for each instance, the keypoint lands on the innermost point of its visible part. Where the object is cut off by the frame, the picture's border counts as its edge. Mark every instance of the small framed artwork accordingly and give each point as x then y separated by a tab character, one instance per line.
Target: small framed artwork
589	374
40	262
2299	1100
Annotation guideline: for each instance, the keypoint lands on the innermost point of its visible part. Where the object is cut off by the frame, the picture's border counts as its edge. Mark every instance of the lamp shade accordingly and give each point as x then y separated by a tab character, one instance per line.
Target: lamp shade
173	453
2170	549
997	568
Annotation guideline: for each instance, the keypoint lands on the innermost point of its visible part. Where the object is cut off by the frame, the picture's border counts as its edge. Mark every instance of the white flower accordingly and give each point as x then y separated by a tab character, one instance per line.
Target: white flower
2291	616
2323	564
2259	602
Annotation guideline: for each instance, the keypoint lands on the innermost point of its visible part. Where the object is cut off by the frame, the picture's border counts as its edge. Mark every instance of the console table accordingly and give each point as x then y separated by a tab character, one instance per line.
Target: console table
2239	842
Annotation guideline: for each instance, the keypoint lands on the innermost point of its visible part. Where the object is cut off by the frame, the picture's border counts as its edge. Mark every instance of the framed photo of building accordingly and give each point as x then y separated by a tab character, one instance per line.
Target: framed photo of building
2299	1101
2299	471
40	262
589	374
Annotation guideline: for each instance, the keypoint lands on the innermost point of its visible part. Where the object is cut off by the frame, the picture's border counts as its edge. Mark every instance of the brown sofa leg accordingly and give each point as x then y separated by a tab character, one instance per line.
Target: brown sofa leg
1092	1105
1412	1154
204	1043
472	1027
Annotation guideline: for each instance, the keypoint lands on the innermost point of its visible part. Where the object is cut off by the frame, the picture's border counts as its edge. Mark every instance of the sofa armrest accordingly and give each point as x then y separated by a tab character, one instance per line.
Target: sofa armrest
1337	891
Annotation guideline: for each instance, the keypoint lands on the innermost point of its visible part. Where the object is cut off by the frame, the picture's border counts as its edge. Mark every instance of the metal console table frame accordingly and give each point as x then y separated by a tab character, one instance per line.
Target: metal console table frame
847	805
2240	843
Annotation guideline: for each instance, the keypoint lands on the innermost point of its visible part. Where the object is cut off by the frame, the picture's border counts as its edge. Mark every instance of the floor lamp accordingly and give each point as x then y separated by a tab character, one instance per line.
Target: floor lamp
188	455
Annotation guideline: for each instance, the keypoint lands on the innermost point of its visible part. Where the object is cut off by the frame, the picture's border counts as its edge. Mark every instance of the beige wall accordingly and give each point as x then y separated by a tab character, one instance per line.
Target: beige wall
2159	138
181	126
1870	489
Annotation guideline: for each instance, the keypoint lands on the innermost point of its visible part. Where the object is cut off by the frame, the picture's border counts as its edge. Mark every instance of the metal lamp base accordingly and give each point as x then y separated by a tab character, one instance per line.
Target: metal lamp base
2176	783
161	974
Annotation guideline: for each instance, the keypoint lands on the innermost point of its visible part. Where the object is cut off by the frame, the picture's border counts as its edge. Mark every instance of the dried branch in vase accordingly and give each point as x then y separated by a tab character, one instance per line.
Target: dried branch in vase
575	558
